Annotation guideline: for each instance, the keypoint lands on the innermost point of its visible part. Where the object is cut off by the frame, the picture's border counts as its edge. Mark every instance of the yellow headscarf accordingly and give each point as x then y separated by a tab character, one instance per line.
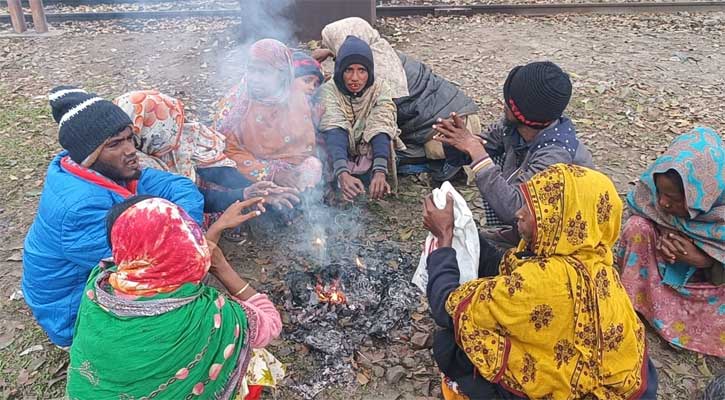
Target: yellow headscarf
557	324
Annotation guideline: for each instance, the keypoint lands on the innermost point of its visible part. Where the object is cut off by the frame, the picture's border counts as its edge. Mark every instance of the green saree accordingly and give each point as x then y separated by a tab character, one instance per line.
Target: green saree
189	343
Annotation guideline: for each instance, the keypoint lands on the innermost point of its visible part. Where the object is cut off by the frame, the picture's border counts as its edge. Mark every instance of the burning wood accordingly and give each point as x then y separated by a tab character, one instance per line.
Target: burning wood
330	293
339	295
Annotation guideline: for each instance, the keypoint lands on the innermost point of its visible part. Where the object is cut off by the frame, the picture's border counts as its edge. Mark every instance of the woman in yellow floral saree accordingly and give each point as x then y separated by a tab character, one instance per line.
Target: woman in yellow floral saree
555	322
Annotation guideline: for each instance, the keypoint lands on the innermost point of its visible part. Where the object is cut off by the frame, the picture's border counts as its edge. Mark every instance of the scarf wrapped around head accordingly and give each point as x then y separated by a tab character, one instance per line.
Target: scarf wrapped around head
557	322
271	133
570	222
277	57
146	327
157	247
157	119
699	158
387	63
305	65
170	142
234	107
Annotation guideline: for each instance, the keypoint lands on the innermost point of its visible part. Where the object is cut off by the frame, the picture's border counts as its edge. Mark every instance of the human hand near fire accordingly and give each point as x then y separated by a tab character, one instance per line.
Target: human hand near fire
453	132
379	185
277	196
322	54
219	263
439	222
286	178
234	216
351	186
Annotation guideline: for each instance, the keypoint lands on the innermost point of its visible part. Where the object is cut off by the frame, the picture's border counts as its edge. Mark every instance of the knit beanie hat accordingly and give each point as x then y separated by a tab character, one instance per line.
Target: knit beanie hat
85	121
354	51
537	93
305	65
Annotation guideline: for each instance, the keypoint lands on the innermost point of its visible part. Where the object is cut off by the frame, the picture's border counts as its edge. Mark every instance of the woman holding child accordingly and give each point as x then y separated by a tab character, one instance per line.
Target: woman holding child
268	121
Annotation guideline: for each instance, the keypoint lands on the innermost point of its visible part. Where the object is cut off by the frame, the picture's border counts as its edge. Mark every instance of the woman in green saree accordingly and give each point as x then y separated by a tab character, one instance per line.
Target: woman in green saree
148	328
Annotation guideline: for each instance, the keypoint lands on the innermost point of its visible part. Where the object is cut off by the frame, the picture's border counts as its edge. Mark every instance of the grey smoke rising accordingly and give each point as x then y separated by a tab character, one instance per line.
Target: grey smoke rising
259	19
274	19
323	225
267	19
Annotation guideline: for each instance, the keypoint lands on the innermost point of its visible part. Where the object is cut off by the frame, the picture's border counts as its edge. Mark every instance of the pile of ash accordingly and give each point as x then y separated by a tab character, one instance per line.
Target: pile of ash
373	299
342	288
335	307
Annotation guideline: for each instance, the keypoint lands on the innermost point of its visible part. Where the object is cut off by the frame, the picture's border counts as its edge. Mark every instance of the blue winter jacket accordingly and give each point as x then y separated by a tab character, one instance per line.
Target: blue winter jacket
68	238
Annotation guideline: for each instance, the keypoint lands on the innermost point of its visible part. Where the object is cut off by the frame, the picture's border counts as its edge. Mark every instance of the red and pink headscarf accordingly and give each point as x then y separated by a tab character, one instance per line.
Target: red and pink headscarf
157	247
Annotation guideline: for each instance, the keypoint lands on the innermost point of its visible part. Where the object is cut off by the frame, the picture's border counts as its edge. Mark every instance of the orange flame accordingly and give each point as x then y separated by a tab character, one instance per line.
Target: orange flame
330	293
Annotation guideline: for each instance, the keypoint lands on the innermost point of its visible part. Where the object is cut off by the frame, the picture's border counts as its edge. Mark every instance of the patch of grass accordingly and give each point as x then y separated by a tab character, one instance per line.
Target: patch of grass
22	121
35	375
27	143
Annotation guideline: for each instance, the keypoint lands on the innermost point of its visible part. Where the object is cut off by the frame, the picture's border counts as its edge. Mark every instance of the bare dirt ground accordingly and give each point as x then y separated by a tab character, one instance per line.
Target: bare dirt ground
638	81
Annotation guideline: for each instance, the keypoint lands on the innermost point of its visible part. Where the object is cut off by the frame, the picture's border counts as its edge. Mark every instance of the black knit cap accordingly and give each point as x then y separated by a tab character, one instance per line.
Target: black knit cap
537	93
84	120
354	51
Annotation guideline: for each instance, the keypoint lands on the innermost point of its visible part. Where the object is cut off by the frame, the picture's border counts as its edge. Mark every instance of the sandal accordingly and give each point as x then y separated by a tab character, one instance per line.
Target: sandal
239	234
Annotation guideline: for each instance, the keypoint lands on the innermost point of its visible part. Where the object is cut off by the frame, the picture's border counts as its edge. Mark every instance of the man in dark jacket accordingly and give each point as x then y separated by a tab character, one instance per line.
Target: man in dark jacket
431	97
533	135
97	169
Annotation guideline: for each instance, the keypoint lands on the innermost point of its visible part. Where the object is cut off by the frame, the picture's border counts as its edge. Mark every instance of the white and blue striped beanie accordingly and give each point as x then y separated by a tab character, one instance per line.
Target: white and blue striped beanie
85	121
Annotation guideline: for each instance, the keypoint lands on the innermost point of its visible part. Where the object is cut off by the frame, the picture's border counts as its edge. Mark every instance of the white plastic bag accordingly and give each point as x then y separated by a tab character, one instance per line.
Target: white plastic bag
465	239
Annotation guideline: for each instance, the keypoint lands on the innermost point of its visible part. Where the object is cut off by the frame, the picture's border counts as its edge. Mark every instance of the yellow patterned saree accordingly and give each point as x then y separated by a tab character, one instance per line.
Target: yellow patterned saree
557	323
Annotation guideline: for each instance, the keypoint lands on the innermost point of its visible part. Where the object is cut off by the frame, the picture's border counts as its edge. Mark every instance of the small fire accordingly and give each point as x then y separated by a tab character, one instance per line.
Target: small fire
330	293
318	242
359	263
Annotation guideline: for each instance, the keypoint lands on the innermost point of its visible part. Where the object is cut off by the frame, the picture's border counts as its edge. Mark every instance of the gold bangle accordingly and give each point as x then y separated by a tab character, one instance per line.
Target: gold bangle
240	291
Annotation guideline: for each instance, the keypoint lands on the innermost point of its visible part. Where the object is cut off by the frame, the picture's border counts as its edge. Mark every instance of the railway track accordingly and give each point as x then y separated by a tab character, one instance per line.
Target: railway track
550	9
402	11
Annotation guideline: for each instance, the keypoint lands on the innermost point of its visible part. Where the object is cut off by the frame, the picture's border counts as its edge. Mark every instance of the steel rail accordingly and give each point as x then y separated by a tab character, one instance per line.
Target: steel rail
403	11
111	15
550	9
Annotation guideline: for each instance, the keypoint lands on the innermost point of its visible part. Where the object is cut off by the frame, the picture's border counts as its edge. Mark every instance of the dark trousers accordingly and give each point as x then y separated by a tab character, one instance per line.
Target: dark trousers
221	187
489	259
452	360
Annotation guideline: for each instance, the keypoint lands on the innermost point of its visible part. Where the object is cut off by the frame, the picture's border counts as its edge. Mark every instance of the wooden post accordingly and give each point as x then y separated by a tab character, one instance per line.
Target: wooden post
41	24
16	16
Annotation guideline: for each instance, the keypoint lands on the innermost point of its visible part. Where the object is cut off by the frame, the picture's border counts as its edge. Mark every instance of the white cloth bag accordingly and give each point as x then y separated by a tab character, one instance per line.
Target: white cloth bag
465	239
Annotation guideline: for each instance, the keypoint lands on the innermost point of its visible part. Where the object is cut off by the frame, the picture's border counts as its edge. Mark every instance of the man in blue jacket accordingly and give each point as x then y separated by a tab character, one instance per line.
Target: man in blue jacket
97	169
